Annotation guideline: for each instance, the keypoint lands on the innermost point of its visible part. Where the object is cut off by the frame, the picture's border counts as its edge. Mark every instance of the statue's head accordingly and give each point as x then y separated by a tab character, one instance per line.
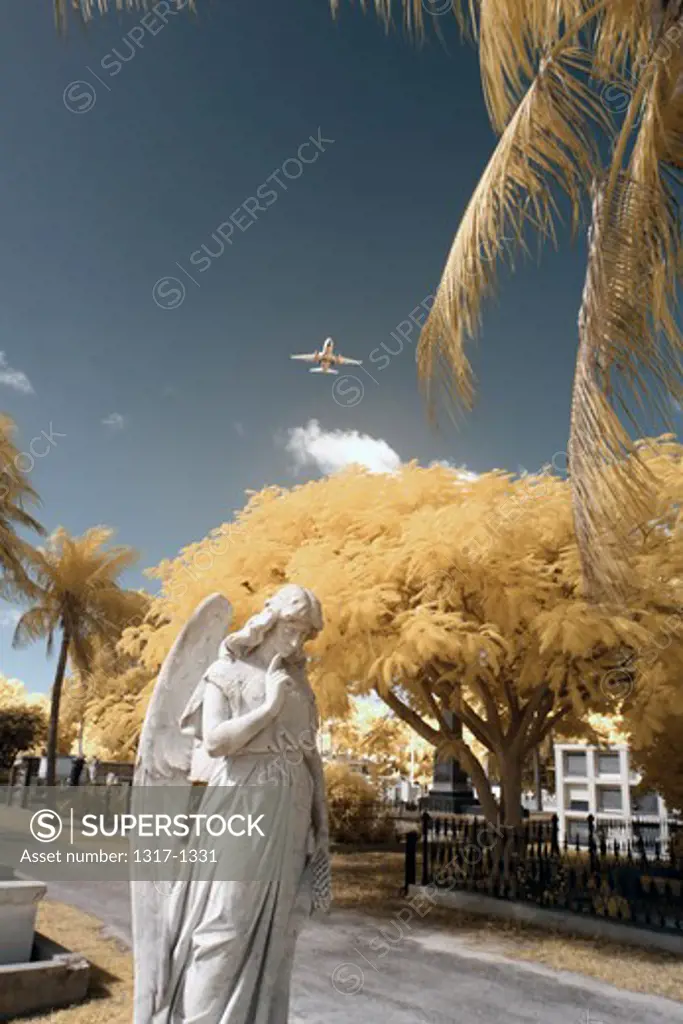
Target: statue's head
289	618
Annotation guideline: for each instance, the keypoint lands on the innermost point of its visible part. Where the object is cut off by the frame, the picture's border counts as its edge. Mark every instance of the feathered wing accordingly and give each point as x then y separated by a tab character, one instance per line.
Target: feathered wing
165	756
164	752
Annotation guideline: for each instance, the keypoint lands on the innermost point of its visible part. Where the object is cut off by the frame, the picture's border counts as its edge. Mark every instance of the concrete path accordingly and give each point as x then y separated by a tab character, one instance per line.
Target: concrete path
349	971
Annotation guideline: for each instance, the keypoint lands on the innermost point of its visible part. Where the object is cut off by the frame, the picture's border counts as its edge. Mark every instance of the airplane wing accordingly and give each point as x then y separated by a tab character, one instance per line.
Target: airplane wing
309	357
345	361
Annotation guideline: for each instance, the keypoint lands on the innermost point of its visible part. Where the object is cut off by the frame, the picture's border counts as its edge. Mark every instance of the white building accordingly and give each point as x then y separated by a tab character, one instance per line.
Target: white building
600	781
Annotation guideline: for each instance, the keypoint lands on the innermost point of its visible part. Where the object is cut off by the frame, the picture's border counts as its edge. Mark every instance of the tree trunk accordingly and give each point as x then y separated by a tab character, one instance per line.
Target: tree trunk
483	787
511	792
53	732
81	724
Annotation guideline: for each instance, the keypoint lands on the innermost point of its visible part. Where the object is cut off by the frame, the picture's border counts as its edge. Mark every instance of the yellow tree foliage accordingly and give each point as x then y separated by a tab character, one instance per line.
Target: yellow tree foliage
355	813
661	763
446	594
23	721
382	741
111	701
104	702
13	693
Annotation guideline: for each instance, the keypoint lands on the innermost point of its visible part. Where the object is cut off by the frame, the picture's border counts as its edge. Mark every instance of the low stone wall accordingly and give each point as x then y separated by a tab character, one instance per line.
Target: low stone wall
54	978
553	920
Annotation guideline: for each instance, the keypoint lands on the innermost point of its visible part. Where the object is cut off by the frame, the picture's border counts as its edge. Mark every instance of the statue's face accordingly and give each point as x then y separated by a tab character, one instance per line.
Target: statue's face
289	635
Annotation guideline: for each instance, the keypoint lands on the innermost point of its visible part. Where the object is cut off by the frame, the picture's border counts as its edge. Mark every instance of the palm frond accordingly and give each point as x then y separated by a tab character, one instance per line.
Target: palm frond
77	589
15	493
630	346
546	145
34	624
86	10
413	12
625	34
662	138
513	35
82	652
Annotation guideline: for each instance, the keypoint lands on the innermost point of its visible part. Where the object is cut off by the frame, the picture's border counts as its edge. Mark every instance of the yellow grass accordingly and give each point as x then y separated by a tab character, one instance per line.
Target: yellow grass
369	883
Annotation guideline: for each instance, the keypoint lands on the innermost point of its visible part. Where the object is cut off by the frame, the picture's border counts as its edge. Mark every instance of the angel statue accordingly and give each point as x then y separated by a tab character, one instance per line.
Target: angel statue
221	952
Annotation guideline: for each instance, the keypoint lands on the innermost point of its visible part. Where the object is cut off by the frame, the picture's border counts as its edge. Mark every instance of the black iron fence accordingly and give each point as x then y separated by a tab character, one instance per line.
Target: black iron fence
627	870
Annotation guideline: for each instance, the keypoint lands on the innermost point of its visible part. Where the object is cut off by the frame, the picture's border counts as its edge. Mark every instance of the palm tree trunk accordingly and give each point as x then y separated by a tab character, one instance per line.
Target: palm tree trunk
81	725
53	733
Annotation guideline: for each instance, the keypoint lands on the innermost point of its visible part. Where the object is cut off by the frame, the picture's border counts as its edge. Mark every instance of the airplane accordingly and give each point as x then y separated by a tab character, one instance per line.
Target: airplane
327	358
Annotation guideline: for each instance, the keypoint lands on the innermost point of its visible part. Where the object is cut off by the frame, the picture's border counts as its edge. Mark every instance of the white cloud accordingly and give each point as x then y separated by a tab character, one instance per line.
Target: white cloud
15	379
9	617
332	450
115	421
239	428
462	472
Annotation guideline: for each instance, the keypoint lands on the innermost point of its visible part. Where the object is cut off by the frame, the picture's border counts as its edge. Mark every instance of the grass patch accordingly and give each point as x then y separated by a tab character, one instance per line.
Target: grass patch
371	882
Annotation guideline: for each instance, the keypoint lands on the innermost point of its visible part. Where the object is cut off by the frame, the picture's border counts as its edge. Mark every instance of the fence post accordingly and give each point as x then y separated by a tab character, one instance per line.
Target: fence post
592	848
411	862
426	820
555	836
26	780
13	772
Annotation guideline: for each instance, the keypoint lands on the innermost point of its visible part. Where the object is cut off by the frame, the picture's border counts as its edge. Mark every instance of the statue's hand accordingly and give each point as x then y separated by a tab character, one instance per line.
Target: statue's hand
277	683
322	840
320	827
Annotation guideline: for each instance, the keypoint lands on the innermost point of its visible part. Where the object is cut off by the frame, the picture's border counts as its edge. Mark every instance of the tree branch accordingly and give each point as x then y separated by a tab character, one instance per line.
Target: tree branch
489	703
512	700
435	709
477	726
546	727
470	763
410	717
480	780
528	713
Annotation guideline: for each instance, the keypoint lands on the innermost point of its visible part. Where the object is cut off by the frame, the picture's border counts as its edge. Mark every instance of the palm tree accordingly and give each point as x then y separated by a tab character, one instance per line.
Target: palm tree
15	493
78	594
550	71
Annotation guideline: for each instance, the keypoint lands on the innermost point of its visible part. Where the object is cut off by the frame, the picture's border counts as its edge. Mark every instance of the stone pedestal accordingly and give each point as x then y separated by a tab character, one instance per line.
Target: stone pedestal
18	906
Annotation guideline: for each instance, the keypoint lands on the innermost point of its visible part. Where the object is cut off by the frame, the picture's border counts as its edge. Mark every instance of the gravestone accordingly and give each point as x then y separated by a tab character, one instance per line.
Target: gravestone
451	790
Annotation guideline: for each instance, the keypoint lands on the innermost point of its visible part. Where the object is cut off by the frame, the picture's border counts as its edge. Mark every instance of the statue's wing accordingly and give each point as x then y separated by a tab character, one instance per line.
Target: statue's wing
164	759
164	752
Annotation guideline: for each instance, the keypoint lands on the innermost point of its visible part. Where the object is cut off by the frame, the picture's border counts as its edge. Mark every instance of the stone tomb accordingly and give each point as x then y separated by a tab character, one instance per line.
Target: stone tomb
35	973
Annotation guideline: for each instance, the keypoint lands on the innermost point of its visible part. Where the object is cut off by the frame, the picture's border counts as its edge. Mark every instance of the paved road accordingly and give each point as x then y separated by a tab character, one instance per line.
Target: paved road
346	973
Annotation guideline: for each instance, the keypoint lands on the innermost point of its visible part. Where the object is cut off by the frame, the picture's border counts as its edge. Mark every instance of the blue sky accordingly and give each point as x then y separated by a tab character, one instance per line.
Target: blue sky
126	146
